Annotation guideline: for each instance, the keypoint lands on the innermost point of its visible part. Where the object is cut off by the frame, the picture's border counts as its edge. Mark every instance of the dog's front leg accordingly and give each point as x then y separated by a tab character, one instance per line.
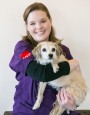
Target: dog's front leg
41	89
55	67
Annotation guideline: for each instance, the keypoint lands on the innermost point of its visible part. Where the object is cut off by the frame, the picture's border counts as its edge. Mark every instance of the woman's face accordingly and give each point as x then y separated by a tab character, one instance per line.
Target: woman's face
39	25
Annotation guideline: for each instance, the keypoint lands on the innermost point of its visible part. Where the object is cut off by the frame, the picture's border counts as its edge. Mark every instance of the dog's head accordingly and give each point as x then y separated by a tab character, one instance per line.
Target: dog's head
47	51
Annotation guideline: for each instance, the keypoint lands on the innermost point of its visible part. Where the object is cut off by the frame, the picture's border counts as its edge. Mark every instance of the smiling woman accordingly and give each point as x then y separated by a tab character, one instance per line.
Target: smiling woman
28	72
71	20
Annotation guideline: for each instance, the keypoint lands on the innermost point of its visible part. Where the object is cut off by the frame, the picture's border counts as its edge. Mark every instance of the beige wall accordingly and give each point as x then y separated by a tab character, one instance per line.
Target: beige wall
71	19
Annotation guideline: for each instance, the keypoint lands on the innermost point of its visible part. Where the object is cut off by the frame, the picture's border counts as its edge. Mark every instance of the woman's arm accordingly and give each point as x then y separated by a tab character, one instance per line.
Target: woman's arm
45	73
32	68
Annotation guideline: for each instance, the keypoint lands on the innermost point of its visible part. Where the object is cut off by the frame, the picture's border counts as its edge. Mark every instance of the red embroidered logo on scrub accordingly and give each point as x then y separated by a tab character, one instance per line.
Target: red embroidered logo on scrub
25	54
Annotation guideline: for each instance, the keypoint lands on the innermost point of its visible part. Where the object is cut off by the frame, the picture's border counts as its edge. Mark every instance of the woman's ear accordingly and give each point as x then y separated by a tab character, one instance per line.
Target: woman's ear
26	26
51	21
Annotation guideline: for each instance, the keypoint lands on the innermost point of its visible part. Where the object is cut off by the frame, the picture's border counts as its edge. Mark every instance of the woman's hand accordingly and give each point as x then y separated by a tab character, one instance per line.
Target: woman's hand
66	100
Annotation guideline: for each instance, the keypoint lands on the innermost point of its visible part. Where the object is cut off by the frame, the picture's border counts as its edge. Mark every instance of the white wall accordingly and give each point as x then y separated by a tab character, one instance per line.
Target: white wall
71	19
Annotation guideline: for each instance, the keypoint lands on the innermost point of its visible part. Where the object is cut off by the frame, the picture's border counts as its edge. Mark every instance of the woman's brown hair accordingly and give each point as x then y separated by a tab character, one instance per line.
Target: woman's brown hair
29	9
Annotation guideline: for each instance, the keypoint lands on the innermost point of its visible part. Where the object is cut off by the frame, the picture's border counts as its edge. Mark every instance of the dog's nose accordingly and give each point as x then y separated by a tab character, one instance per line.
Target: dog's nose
50	56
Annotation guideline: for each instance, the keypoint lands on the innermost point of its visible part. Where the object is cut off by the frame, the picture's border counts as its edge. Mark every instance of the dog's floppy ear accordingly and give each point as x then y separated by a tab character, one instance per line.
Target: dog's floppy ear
58	47
59	41
37	51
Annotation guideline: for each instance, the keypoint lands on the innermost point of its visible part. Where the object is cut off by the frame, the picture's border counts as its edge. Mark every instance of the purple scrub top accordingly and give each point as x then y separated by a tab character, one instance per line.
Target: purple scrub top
27	88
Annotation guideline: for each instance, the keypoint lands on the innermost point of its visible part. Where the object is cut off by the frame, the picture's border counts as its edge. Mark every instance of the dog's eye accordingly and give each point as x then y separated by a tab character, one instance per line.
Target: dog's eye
44	49
53	49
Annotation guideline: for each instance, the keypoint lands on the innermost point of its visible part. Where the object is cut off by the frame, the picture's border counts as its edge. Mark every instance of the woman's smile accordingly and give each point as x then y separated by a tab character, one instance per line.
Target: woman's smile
40	32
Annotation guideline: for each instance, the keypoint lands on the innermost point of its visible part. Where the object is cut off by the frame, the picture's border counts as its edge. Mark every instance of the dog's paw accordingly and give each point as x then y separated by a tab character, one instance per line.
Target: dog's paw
68	111
36	106
55	68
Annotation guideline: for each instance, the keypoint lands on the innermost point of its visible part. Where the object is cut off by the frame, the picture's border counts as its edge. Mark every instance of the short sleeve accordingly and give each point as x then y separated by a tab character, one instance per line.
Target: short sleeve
18	61
67	52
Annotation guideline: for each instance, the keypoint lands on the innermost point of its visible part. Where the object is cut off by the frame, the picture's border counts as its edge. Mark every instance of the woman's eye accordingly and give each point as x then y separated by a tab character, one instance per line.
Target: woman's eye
53	49
43	21
32	24
44	49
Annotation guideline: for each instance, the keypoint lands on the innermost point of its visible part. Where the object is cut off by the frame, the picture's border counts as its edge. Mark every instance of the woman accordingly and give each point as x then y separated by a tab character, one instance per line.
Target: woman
28	72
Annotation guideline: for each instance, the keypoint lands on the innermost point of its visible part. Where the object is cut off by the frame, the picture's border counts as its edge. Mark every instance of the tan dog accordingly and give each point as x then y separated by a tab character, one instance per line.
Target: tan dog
49	52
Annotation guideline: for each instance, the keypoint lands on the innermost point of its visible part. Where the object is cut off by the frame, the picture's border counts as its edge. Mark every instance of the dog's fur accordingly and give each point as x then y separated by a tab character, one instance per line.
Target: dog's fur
49	52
